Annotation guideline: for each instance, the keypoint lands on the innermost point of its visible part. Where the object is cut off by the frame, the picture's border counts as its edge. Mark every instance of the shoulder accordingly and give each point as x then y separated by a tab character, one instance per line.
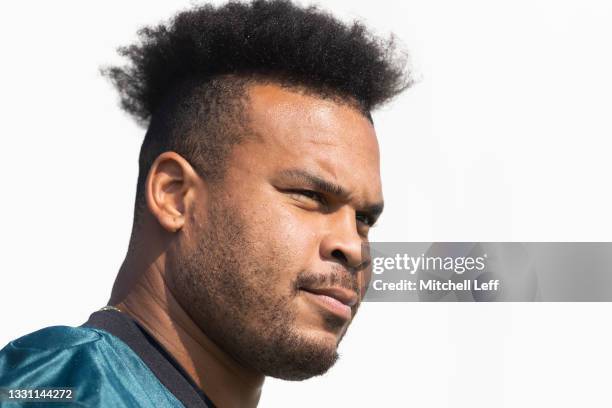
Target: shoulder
48	357
96	365
56	345
53	338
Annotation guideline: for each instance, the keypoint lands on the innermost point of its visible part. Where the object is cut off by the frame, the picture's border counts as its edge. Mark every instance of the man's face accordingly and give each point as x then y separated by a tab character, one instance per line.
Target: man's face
271	265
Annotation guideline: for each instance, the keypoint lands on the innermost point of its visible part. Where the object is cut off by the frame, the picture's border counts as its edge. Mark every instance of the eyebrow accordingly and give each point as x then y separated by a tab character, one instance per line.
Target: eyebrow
330	187
317	182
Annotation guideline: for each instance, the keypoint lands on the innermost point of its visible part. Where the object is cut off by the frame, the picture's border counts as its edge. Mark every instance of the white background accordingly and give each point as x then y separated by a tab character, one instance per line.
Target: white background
505	138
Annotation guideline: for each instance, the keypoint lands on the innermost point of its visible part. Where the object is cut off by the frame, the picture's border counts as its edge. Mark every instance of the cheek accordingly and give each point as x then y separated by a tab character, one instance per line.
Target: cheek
287	234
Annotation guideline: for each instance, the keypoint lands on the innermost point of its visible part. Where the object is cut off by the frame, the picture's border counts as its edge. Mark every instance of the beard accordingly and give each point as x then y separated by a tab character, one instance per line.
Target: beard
227	282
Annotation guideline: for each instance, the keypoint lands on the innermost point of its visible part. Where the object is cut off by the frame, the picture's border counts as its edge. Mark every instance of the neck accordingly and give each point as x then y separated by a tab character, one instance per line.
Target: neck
148	300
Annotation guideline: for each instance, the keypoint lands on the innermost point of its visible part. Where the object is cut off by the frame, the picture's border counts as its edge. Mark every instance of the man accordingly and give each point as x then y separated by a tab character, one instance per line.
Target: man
259	180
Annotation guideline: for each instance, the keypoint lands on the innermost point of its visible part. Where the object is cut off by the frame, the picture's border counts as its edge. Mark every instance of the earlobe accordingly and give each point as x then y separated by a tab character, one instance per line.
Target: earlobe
168	183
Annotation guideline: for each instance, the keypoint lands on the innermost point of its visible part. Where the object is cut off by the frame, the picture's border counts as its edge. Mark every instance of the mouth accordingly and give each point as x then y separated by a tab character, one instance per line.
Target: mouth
335	300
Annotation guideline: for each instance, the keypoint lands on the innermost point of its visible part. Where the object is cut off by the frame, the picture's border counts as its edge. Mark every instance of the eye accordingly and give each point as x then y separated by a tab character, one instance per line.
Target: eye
313	195
365	219
309	194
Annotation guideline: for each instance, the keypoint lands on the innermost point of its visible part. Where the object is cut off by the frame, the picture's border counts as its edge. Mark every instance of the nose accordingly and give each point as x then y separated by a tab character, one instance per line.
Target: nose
342	242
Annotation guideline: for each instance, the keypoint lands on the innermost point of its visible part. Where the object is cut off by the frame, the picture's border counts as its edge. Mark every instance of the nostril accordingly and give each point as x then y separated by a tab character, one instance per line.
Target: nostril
338	254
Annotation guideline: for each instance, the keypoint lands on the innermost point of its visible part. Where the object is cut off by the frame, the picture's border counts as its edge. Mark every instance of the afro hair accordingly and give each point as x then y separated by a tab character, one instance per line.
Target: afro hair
274	39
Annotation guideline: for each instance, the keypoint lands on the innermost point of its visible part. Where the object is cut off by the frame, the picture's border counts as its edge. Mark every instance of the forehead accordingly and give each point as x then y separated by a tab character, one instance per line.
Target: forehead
333	139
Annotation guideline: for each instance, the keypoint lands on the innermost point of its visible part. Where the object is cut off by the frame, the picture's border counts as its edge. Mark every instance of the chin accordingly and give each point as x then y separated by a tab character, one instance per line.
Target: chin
307	368
303	355
323	338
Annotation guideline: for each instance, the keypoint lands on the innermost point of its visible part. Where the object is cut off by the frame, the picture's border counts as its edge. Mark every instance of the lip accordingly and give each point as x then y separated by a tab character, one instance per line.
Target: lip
338	301
342	295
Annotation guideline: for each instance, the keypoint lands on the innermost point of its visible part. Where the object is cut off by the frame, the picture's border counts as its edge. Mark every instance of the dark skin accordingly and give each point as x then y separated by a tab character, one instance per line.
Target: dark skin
306	188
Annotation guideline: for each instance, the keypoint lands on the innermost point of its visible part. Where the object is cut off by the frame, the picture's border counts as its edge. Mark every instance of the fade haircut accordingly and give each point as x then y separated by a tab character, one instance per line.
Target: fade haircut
186	80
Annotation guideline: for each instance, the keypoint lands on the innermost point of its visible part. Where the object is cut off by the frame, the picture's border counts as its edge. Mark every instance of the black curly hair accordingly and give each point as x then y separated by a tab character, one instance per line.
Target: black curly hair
185	80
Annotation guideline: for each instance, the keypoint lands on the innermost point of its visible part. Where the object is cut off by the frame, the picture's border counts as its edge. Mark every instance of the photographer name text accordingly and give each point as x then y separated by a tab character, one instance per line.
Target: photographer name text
436	285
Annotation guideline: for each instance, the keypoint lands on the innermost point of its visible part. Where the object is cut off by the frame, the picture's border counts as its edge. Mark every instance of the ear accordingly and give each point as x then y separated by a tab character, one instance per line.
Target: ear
169	188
